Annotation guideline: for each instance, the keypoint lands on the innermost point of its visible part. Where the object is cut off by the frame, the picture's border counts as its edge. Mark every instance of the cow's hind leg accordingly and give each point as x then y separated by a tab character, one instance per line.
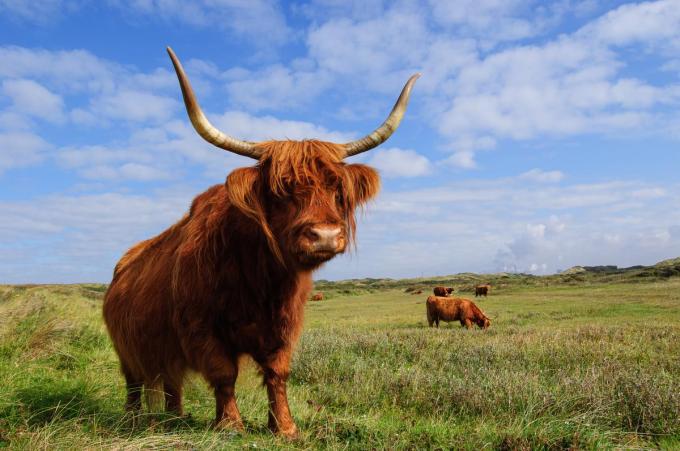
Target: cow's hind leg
133	398
173	396
133	386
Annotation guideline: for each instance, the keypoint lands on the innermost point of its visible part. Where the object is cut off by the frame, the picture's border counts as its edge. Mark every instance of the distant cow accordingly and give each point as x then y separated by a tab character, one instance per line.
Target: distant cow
418	292
482	290
317	296
455	309
442	291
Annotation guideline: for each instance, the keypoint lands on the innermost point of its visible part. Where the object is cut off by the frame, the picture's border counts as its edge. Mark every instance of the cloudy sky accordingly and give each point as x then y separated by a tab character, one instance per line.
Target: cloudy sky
540	136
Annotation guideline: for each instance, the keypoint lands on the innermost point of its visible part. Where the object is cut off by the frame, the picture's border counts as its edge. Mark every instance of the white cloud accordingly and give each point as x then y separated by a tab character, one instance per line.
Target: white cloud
79	238
372	46
492	20
132	105
98	155
538	175
68	70
512	225
262	128
462	159
40	83
572	85
277	87
128	171
116	164
34	99
39	11
161	151
395	162
520	106
10	120
243	18
20	149
381	52
651	22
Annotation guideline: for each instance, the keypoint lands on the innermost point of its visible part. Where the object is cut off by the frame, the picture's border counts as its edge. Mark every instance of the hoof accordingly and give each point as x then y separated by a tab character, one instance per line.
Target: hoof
288	434
226	424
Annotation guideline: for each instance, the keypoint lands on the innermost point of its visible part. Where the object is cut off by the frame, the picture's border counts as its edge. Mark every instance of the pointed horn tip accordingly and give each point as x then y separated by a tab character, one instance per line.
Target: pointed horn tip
173	57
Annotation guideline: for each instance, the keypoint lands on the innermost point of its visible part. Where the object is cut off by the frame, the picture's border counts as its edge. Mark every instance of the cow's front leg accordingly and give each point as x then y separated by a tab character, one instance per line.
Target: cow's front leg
227	415
276	371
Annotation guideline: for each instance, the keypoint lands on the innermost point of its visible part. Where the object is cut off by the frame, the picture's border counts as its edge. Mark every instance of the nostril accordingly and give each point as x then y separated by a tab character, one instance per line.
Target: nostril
312	235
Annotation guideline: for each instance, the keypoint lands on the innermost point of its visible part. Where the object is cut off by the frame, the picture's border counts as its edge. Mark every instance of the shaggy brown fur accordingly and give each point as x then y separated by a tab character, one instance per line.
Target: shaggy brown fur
455	309
442	291
231	278
482	290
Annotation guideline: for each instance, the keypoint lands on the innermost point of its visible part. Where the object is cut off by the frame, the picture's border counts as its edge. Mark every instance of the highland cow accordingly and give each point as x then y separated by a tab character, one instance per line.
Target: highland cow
442	291
482	290
232	276
455	309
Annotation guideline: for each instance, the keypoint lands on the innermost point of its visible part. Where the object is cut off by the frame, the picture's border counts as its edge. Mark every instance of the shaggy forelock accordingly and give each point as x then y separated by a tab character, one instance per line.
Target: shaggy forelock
300	163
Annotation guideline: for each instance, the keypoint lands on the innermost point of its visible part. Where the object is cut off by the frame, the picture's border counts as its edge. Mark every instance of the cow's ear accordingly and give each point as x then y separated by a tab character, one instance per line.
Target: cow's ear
245	193
242	189
364	182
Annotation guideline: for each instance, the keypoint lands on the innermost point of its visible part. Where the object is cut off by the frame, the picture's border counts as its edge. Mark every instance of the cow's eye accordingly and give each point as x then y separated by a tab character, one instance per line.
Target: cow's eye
339	198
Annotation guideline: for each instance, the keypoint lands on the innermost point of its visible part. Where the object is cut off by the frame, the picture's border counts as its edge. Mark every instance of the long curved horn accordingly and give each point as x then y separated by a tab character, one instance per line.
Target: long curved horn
202	124
382	133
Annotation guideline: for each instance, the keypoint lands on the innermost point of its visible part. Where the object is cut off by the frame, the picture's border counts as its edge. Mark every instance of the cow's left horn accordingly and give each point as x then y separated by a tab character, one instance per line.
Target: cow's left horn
203	125
382	133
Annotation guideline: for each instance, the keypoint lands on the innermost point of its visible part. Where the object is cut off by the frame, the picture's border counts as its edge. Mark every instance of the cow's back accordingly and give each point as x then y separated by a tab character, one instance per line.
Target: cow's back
443	308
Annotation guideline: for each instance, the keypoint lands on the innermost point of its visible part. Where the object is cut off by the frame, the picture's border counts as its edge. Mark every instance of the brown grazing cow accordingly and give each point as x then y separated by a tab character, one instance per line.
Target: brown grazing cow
482	290
442	291
455	309
317	296
232	276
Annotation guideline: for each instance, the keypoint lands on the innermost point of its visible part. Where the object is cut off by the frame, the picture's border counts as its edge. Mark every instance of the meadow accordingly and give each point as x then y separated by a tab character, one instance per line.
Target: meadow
569	362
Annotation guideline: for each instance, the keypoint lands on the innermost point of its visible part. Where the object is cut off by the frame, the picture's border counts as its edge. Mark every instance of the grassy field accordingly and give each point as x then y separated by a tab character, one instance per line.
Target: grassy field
581	364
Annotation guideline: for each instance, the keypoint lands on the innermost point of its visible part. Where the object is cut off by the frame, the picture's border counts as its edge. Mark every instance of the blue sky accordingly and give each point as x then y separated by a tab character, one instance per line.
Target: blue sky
541	135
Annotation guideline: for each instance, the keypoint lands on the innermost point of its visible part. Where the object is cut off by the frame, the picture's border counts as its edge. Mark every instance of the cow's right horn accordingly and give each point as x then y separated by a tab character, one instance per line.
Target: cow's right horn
382	133
203	125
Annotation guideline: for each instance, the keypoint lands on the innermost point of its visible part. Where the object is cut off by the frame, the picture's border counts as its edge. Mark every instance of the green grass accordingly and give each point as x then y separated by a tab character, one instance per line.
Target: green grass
589	365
